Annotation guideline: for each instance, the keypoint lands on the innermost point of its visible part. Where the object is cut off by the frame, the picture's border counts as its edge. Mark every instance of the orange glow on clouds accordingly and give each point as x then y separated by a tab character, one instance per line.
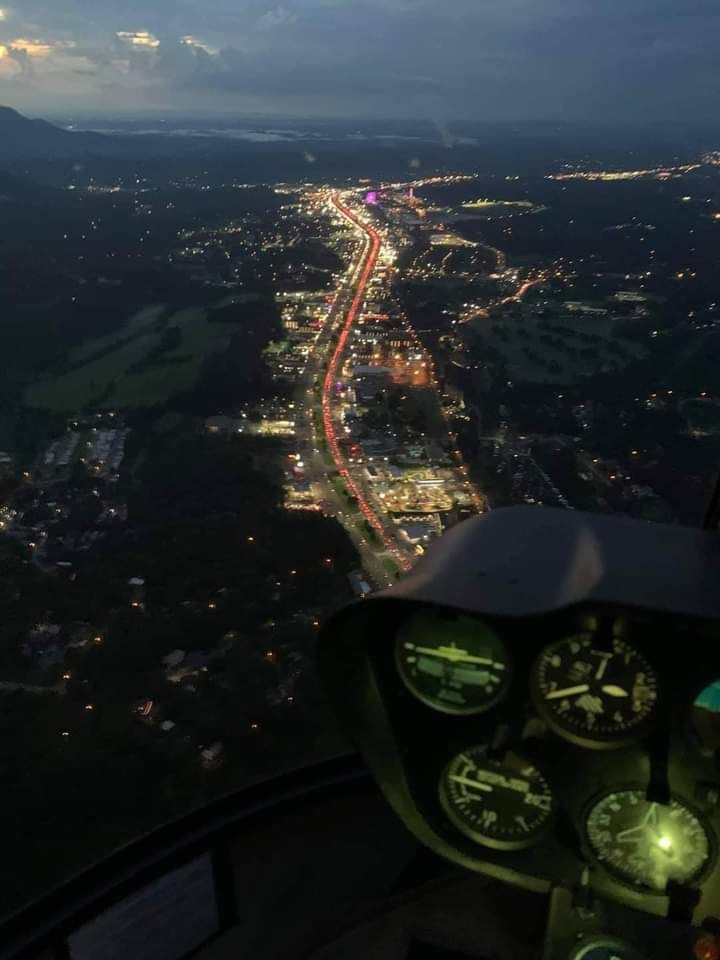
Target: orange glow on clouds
191	41
139	38
8	66
33	48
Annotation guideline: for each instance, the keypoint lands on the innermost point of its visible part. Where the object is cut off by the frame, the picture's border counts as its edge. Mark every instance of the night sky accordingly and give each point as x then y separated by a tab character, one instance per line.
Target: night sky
515	60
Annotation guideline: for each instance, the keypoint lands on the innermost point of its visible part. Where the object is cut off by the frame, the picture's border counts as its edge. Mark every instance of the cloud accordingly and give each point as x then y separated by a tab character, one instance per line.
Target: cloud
190	41
277	17
515	60
39	49
9	67
14	62
19	56
139	38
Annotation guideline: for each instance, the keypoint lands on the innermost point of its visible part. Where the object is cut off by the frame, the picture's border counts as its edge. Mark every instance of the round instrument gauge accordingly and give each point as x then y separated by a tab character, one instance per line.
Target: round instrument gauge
647	844
594	697
505	805
453	664
604	948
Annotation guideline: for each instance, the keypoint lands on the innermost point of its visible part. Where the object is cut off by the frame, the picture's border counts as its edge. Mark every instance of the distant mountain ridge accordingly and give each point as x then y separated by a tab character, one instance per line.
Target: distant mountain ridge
22	138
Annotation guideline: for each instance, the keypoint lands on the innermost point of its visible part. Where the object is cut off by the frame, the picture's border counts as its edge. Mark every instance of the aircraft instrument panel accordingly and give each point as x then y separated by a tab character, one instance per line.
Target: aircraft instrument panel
541	703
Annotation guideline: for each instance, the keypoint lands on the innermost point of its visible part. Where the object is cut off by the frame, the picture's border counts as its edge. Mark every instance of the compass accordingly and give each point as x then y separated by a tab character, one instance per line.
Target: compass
647	844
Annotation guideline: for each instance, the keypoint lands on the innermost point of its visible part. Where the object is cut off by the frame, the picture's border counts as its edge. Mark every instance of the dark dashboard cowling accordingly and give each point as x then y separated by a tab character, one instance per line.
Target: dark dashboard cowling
522	560
533	576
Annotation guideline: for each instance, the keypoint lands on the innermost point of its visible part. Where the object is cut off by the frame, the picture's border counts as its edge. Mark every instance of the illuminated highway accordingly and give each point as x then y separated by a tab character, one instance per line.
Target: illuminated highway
363	274
521	291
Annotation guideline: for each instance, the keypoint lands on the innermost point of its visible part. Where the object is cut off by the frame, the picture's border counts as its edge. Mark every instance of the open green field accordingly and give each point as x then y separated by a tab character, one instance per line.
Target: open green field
570	348
142	321
483	209
100	373
497	206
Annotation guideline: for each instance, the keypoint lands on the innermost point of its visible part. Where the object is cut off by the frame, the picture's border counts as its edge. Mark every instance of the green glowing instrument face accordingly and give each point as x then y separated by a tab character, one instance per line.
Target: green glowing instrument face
453	664
604	948
647	844
506	805
594	697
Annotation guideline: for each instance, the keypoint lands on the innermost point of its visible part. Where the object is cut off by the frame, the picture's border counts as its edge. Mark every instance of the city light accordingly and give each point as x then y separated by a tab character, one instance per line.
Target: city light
609	176
394	481
331	376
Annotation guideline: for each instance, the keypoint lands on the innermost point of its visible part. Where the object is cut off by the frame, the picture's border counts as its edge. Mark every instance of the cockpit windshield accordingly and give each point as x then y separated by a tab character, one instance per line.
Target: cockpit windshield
287	291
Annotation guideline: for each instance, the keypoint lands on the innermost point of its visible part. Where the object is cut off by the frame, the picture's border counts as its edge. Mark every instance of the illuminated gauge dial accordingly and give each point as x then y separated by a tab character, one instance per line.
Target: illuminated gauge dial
506	805
594	697
647	844
604	948
454	664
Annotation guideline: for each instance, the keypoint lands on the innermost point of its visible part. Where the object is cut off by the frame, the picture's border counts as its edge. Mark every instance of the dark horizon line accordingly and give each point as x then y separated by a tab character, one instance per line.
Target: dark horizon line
196	114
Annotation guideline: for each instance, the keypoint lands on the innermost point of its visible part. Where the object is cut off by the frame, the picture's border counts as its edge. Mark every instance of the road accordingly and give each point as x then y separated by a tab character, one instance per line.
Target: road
325	367
368	261
309	438
521	291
